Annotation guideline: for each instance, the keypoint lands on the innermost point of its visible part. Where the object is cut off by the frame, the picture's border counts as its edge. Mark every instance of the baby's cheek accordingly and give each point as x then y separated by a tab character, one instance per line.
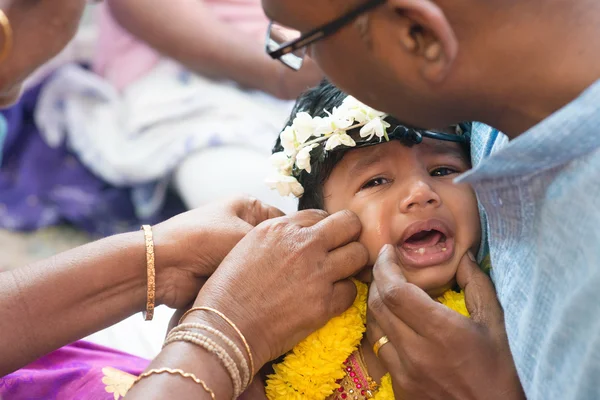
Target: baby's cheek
374	237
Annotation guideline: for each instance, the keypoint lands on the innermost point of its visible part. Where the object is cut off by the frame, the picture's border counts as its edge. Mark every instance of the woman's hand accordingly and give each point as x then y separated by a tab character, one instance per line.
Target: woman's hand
190	246
434	352
285	279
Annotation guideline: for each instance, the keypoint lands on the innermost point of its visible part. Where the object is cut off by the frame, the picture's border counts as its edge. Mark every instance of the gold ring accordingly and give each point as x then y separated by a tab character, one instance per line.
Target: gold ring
8	36
379	344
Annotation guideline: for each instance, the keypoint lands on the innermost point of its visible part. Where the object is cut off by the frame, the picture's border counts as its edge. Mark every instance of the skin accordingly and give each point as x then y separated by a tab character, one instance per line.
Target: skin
94	286
32	21
473	60
219	50
399	186
258	286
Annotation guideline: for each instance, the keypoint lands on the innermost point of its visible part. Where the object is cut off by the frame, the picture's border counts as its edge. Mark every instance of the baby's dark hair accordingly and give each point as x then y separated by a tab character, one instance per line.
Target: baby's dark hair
315	101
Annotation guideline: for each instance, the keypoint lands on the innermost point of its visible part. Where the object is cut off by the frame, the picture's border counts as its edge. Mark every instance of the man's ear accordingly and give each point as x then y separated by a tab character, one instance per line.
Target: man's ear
426	34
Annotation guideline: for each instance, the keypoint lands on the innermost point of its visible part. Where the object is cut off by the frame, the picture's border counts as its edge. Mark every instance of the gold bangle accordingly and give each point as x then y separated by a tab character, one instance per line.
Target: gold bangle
247	378
8	36
176	372
379	344
150	271
235	328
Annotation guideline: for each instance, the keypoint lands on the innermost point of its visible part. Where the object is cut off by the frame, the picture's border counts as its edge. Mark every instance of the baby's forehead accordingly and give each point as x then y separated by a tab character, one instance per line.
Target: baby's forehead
389	150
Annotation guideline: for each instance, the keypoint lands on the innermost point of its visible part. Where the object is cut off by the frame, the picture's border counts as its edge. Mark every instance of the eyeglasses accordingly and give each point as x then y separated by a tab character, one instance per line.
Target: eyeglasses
412	136
289	46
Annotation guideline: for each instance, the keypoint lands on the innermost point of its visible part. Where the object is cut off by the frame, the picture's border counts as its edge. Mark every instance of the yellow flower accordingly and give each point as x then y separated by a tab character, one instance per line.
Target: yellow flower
311	370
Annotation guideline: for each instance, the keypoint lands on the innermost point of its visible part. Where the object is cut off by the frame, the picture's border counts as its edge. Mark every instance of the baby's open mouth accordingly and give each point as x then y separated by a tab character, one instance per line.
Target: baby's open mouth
426	242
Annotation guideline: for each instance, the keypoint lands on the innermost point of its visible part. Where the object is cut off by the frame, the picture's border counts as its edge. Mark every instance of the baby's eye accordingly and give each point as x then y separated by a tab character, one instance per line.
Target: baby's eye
443	171
375	182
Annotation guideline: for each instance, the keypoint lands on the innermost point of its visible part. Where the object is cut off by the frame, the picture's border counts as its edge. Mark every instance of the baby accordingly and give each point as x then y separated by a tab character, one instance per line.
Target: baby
338	153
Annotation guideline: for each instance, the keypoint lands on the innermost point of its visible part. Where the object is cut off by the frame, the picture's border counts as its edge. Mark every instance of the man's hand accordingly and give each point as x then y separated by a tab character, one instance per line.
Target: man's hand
434	352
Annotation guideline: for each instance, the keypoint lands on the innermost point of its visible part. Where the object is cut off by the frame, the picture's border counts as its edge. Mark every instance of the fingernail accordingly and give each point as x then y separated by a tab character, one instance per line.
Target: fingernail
385	246
471	256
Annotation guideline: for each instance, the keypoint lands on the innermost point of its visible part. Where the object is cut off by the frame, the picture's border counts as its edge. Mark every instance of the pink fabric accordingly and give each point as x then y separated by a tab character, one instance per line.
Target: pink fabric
121	58
74	372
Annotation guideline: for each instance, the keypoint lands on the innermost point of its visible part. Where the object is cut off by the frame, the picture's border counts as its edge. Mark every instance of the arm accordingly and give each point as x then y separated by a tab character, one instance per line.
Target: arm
54	302
285	279
208	46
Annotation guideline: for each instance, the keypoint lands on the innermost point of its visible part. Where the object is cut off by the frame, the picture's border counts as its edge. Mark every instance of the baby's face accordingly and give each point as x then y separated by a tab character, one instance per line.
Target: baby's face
405	196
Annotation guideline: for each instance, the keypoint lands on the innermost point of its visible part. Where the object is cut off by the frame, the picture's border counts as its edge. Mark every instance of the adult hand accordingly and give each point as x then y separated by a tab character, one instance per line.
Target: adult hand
41	29
434	352
286	279
190	246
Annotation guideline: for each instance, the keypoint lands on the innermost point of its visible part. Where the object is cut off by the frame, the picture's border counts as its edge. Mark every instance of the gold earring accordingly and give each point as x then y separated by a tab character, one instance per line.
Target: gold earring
7	32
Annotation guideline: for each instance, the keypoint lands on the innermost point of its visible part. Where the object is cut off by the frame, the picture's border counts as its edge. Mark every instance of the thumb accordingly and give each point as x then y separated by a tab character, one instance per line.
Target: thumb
254	211
480	294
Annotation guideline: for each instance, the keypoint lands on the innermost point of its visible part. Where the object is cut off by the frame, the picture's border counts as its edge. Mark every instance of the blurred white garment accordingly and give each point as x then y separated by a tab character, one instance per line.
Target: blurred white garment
144	133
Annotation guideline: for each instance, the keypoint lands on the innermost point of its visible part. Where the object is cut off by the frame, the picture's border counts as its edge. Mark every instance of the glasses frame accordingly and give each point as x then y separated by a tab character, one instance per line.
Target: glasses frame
413	136
318	33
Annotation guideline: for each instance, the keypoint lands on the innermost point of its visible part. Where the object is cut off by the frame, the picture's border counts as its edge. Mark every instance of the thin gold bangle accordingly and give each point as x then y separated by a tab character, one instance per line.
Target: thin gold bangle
8	36
235	328
151	273
176	372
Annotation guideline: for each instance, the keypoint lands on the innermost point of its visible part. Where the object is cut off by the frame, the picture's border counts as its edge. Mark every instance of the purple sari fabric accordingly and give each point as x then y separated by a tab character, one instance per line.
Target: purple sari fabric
80	371
42	186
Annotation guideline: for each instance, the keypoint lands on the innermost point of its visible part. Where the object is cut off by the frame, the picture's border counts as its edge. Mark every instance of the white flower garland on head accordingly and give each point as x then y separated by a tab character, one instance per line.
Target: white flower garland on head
307	133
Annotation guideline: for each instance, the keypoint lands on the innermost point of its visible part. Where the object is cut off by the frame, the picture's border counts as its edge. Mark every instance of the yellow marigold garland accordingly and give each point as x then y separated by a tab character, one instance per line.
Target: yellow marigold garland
311	370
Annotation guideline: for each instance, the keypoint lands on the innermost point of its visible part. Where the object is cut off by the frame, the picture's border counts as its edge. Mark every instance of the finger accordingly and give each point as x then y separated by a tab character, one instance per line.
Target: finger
254	211
346	261
388	355
308	218
396	329
406	301
343	295
480	295
338	229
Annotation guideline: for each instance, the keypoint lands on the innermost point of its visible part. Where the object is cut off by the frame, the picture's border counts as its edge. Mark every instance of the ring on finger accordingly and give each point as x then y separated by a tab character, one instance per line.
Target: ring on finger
379	344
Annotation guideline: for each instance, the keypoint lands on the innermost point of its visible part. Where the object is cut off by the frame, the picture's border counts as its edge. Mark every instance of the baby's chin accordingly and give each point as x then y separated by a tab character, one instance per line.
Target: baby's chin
433	289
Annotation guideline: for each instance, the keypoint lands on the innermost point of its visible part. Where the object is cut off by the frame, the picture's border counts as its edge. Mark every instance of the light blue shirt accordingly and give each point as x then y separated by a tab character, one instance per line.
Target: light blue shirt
541	194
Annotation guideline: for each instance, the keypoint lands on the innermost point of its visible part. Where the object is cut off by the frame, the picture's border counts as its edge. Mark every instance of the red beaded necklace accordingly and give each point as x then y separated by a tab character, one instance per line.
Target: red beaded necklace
357	384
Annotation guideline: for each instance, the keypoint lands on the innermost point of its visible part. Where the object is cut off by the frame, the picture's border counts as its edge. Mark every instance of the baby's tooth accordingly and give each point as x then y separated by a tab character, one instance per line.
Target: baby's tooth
444	249
422	250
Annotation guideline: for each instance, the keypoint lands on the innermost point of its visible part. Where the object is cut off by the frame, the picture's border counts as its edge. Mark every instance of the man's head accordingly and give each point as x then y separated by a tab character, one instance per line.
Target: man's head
432	63
403	194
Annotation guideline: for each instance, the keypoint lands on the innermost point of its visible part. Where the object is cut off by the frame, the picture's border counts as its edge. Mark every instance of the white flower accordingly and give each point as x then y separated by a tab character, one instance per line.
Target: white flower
354	109
304	125
282	163
340	120
285	185
303	157
339	139
375	127
361	113
288	140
